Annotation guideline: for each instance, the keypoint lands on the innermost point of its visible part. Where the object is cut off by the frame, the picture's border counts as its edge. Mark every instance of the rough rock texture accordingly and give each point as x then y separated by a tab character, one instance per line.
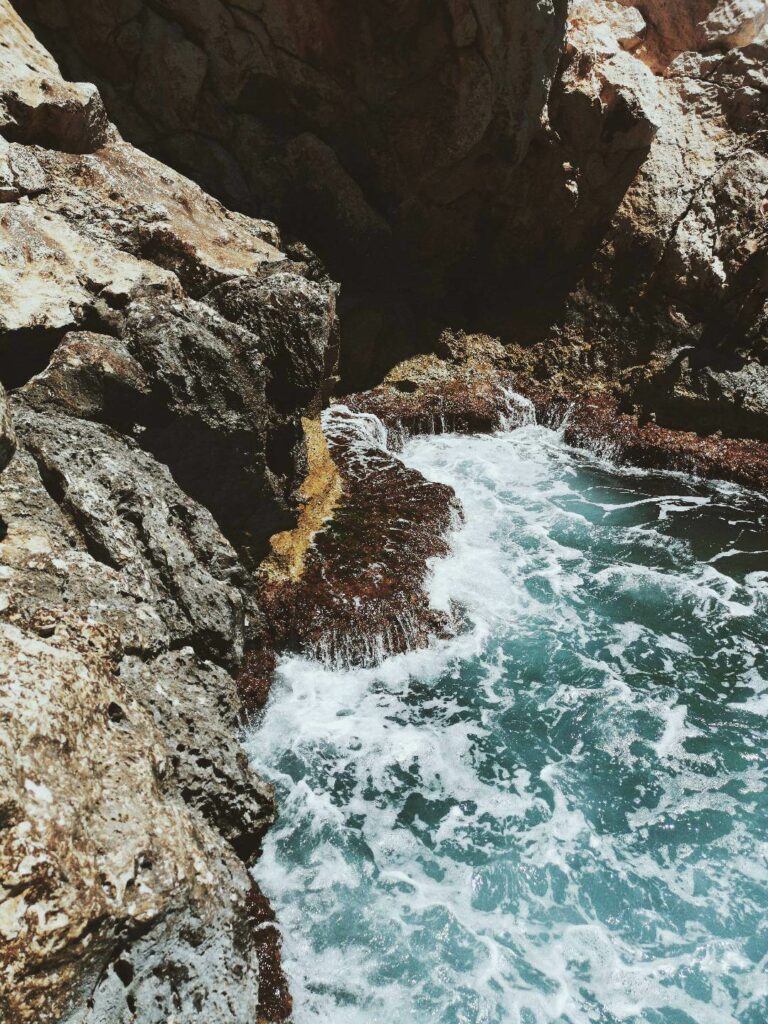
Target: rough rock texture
7	432
159	353
465	386
361	594
699	25
679	284
117	903
460	164
386	134
475	384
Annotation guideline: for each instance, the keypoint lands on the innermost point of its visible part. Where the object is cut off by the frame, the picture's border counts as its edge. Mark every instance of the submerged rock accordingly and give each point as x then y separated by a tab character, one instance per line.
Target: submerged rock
477	385
361	592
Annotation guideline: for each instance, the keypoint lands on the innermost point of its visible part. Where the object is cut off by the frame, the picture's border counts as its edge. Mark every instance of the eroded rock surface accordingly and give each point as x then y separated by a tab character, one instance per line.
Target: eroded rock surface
387	135
700	25
362	592
145	333
590	173
117	903
677	288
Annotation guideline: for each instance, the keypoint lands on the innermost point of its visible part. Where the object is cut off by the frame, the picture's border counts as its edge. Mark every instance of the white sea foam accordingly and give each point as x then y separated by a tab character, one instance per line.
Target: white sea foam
555	816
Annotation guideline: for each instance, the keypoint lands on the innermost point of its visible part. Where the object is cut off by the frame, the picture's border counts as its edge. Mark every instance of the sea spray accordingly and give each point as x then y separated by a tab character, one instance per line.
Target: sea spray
560	815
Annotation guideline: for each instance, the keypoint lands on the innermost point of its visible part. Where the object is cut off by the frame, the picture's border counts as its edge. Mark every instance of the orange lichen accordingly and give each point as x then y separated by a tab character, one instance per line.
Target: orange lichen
320	494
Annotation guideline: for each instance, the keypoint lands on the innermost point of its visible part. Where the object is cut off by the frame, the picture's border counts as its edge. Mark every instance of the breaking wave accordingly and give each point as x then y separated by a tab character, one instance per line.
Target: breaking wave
560	815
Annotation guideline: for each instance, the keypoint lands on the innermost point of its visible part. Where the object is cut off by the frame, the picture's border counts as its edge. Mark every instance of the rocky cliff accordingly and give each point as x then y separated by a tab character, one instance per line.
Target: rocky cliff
592	183
593	172
160	352
672	301
384	134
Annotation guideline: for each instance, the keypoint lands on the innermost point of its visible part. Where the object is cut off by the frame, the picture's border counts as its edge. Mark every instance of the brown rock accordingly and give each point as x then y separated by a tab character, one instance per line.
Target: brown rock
157	452
387	135
114	899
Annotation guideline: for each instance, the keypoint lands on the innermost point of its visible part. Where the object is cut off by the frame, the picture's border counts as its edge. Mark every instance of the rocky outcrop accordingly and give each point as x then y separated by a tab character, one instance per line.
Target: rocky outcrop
703	25
386	134
349	586
117	903
466	386
158	352
370	527
461	163
677	288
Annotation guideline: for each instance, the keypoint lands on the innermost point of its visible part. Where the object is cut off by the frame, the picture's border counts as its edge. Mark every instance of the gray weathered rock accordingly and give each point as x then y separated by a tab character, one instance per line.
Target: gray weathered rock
152	466
7	432
133	518
205	755
117	903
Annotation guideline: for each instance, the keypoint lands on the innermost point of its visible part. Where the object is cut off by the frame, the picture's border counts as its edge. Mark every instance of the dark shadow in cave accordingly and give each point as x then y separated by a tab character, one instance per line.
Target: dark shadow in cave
500	254
25	353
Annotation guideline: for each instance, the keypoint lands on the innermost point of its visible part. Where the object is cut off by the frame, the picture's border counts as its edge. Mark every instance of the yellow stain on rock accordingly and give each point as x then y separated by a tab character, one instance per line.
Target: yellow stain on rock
320	493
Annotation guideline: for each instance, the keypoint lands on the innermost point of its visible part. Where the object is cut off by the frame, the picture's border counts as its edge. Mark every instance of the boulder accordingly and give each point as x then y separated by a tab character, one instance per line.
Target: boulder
116	903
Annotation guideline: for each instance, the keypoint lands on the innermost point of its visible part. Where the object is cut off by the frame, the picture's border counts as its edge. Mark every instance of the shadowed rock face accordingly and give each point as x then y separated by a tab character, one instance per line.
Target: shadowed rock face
593	175
386	134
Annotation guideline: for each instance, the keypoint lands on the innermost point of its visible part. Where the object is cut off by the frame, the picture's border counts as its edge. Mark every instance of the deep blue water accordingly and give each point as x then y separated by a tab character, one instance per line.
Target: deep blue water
562	814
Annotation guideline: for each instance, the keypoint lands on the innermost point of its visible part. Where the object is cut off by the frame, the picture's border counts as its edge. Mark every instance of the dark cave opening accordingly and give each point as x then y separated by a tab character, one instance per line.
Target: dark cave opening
25	353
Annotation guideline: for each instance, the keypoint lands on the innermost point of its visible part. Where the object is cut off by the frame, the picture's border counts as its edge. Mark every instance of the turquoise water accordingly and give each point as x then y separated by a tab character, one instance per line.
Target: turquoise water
562	814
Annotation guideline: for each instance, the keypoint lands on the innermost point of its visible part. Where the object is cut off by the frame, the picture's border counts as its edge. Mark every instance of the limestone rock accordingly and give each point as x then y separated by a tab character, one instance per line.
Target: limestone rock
385	134
36	106
96	855
133	518
700	25
683	259
156	452
20	172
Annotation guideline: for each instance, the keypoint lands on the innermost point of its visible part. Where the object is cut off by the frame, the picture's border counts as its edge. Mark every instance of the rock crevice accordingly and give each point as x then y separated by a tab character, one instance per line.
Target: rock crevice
590	173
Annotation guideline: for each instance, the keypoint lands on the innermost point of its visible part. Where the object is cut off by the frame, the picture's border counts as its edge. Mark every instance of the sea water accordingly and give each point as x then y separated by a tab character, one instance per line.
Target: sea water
561	815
